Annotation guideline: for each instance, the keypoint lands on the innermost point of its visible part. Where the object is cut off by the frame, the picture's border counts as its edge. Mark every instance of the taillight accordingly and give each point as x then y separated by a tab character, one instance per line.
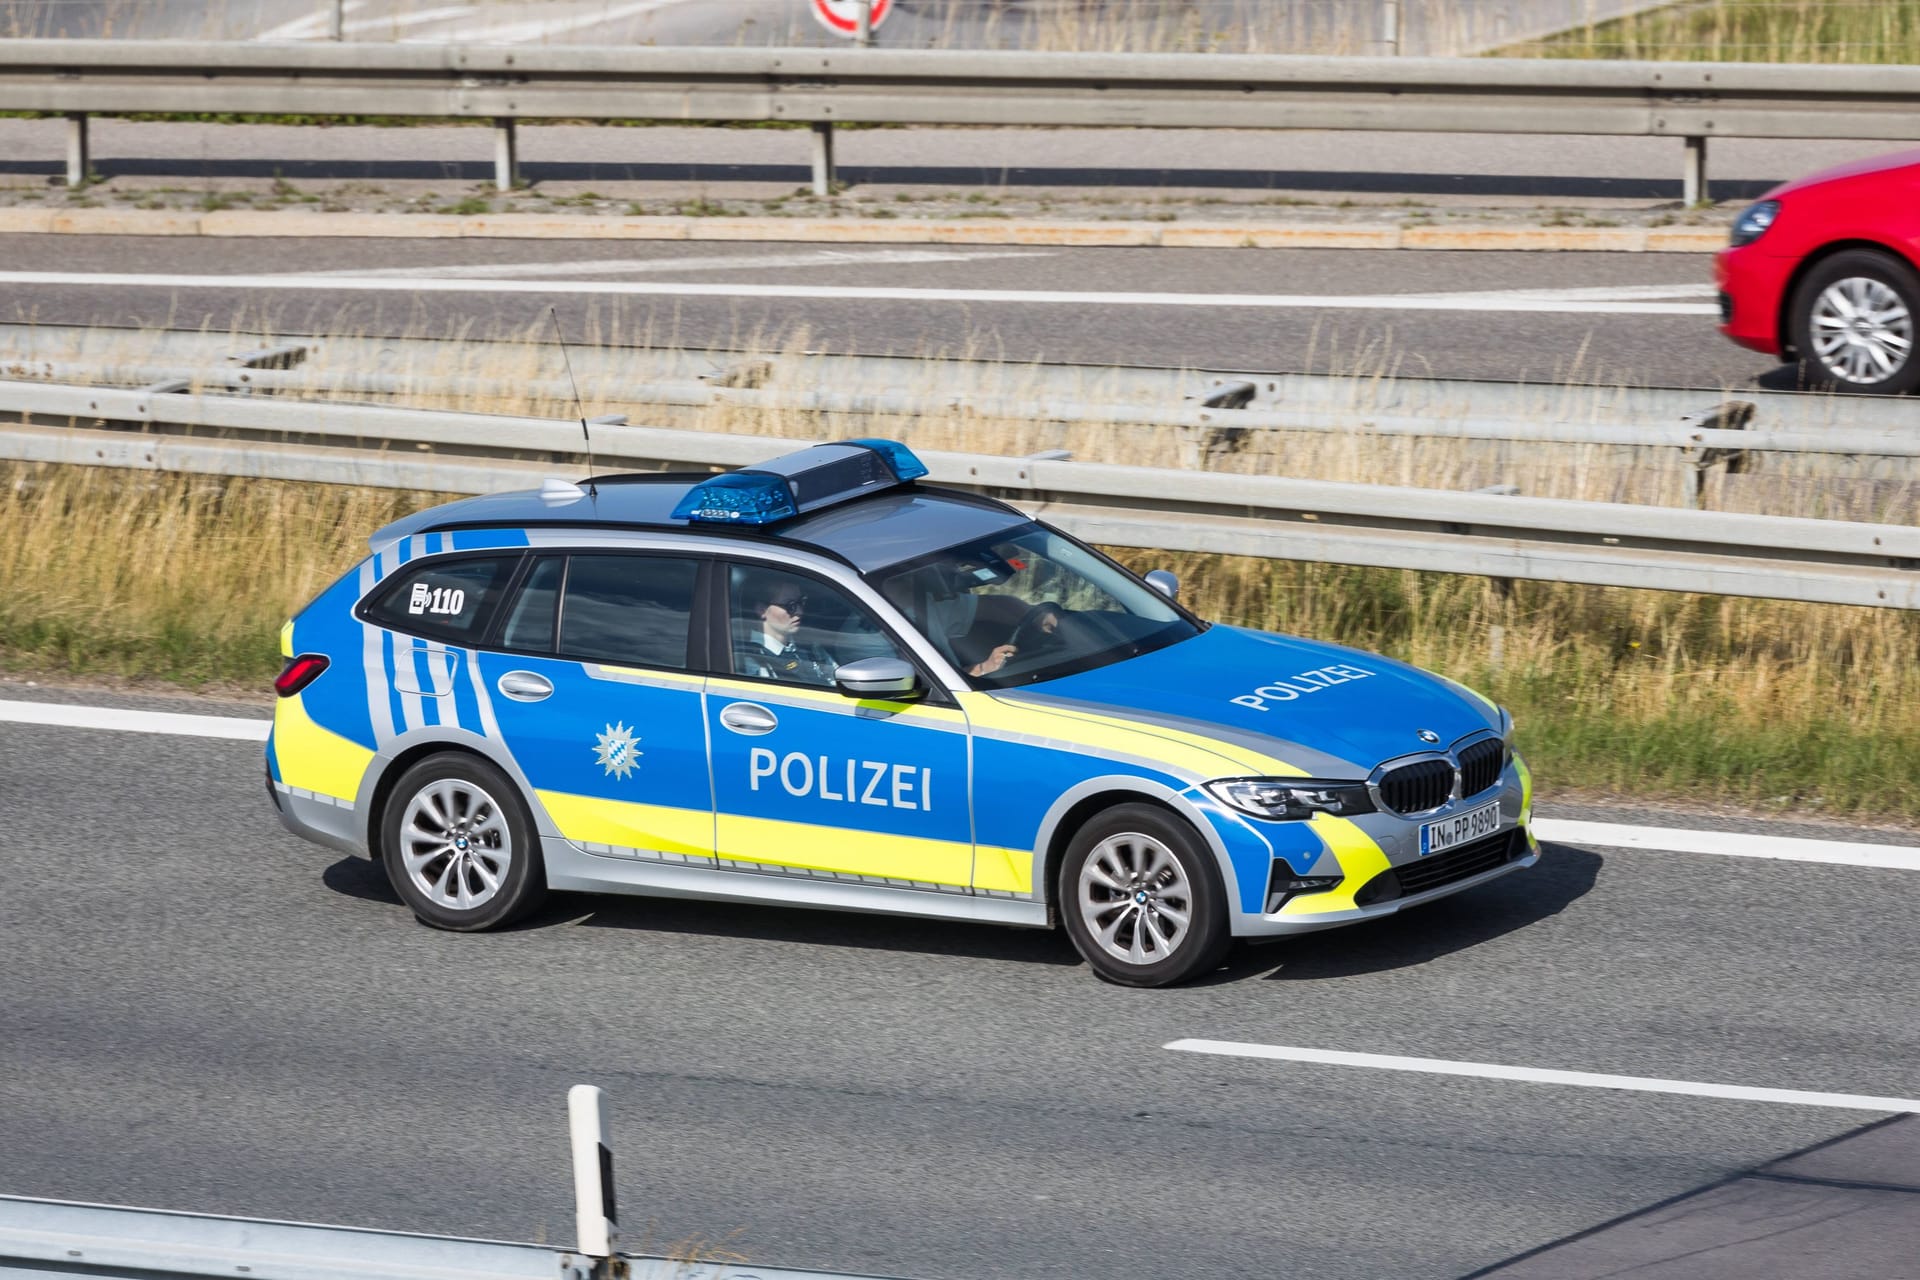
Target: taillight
299	673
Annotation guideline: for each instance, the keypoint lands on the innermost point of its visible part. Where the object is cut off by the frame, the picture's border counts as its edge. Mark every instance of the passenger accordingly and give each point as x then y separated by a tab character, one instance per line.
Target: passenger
773	609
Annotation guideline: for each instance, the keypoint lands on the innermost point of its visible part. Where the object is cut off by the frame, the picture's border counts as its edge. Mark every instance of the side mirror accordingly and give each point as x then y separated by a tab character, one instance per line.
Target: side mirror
1165	583
889	678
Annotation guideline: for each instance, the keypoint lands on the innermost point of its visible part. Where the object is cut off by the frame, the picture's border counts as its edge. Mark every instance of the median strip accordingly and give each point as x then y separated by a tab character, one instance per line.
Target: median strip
1540	1075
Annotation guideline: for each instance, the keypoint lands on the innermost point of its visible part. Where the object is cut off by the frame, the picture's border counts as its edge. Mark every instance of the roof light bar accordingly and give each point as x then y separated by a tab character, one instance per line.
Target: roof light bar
800	482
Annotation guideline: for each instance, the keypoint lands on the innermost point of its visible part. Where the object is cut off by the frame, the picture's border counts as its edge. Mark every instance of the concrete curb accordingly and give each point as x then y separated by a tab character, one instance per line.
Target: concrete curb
981	231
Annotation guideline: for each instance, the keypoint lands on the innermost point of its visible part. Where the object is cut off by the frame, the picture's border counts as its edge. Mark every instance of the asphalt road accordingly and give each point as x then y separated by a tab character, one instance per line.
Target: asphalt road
203	1013
1143	310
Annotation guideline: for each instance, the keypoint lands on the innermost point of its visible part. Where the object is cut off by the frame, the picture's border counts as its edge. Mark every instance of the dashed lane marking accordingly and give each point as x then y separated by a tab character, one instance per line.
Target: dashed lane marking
645	266
1541	1075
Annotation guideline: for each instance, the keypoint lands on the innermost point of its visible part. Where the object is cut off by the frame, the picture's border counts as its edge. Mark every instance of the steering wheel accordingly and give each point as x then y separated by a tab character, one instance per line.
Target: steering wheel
1031	636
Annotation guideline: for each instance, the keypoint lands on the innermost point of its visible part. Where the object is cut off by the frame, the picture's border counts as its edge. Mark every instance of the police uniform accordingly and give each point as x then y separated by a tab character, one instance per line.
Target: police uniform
799	663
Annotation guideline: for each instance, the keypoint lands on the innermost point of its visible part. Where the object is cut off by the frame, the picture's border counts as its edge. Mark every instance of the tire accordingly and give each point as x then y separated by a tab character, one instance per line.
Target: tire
459	846
1134	940
1852	324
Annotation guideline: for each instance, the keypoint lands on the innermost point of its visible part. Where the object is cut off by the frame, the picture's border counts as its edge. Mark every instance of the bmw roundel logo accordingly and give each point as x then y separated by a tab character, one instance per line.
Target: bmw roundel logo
1429	736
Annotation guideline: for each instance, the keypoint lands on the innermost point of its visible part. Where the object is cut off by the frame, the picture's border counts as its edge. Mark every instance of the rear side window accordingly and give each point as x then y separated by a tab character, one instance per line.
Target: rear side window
444	599
628	610
531	616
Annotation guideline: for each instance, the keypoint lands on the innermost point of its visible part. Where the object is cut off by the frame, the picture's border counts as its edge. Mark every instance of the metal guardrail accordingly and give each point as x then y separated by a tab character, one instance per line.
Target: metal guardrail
45	1238
1609	544
1427	408
505	84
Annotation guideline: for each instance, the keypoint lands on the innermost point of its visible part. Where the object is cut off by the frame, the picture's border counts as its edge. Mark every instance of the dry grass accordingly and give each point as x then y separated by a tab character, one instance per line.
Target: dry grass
1881	31
1807	708
1824	31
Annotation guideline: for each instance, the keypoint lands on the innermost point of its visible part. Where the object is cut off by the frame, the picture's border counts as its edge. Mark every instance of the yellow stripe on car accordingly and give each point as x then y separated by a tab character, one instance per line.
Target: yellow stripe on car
626	825
1004	870
1360	857
316	759
860	853
1172	751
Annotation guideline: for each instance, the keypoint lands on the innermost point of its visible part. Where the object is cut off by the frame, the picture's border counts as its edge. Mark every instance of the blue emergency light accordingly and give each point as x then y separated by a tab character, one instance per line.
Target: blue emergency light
800	482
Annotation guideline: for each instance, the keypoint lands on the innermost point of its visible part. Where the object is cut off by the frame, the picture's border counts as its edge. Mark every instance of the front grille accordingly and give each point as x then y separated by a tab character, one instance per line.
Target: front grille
1480	766
1458	864
1417	787
1442	869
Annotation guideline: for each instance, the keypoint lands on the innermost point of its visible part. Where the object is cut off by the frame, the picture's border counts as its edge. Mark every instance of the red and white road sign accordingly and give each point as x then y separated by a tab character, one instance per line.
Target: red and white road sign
843	16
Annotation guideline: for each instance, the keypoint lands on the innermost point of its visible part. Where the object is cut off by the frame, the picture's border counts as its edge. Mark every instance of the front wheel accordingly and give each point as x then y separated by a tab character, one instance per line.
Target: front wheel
1852	323
458	845
1142	899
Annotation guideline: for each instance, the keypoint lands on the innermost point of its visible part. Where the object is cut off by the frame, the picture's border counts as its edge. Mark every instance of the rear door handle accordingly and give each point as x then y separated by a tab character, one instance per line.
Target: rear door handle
748	718
524	686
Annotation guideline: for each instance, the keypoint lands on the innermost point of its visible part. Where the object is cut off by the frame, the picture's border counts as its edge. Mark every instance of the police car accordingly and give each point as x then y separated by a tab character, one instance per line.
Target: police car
820	682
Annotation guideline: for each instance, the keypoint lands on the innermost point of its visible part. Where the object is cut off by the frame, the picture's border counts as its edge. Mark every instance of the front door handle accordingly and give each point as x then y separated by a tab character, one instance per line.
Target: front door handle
524	686
748	718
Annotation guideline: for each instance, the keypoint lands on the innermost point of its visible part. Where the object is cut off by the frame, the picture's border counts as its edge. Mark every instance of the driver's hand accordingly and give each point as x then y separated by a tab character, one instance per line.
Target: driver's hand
993	661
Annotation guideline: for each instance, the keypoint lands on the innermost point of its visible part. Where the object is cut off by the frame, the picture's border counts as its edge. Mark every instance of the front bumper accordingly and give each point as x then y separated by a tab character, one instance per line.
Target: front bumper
1753	285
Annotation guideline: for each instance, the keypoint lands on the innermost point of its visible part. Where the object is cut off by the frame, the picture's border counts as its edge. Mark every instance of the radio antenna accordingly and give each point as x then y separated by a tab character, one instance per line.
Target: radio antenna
578	405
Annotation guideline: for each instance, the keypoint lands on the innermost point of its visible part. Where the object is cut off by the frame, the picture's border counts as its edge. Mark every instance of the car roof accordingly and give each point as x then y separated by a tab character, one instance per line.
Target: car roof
869	532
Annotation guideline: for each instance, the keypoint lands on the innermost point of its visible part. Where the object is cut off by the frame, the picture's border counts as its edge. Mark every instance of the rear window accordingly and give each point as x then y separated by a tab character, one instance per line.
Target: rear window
443	599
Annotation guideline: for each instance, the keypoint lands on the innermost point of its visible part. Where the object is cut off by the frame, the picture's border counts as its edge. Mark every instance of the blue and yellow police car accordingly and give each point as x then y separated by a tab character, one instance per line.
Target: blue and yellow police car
820	682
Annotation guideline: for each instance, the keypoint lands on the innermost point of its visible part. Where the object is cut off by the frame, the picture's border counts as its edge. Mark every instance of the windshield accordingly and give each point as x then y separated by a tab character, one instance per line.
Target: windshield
1029	605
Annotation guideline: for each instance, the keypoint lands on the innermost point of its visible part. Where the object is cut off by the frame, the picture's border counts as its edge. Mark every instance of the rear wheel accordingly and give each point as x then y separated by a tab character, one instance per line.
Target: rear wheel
458	845
1142	899
1853	322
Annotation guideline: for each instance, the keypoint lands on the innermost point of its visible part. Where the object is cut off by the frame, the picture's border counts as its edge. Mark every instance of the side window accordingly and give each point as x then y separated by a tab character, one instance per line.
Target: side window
444	599
797	629
628	610
530	618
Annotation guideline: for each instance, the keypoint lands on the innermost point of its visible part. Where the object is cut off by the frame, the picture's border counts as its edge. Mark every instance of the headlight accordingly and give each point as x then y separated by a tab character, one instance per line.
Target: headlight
1753	223
1506	737
1284	798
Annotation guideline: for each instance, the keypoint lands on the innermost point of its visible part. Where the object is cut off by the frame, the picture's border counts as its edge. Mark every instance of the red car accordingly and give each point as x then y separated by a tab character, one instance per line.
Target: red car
1825	272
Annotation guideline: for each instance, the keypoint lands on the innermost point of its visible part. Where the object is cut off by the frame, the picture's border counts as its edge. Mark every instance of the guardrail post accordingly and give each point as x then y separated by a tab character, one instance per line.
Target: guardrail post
596	1218
1390	27
337	21
506	153
79	157
863	24
1693	183
823	157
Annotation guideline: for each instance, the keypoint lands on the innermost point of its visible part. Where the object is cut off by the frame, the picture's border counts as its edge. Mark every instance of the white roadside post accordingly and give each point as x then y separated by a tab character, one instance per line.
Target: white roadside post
595	1215
863	24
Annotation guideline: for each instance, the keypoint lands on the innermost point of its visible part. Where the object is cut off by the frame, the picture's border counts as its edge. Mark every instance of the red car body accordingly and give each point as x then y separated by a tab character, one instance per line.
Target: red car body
1871	205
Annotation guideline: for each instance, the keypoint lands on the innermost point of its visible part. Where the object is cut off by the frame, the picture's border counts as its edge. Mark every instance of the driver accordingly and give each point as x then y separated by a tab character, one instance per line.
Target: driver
771	650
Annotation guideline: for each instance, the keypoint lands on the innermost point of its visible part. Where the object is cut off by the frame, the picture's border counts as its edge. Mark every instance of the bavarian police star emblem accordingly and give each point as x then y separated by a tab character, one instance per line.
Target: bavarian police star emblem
618	751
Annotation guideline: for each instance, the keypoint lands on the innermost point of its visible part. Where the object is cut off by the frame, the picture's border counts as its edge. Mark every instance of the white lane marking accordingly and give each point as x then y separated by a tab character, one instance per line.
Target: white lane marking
1539	1075
1597	293
1732	844
842	293
310	25
65	716
638	266
541	30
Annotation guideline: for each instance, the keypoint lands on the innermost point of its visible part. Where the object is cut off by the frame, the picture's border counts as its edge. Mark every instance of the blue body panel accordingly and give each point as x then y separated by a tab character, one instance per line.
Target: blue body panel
1359	707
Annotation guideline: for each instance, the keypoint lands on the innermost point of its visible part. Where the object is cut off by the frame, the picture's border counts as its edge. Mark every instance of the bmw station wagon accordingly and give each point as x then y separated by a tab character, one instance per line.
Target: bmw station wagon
820	682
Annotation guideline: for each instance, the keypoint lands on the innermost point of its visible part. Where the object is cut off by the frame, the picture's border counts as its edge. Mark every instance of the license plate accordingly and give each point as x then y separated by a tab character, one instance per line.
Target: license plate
1437	837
